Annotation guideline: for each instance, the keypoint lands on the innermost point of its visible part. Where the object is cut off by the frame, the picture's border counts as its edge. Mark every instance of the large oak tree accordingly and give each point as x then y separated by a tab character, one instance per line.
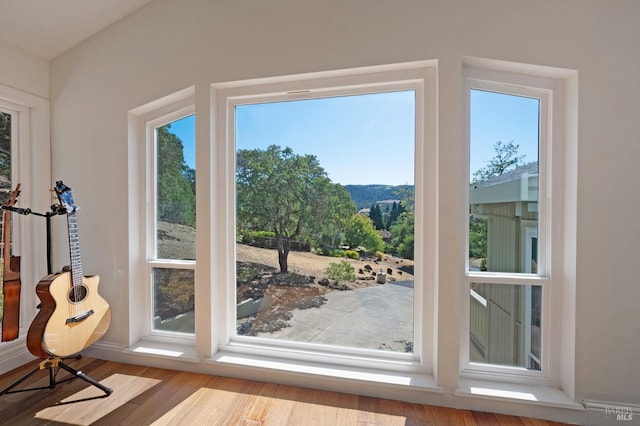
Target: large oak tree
288	194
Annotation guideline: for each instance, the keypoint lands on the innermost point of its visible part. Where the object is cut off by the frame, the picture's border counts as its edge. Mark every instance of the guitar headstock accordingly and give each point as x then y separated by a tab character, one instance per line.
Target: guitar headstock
14	196
64	195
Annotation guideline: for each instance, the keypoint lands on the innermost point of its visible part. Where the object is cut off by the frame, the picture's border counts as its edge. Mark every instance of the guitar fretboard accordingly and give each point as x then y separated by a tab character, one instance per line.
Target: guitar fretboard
74	249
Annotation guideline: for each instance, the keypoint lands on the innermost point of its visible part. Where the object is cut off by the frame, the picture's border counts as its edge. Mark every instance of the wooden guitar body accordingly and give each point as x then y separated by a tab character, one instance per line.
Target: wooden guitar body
70	318
11	286
11	292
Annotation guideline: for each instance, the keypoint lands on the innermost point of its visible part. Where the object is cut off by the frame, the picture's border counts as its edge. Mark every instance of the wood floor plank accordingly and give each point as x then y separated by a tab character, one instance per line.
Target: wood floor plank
258	408
90	404
282	409
380	411
437	415
155	396
415	414
302	407
173	389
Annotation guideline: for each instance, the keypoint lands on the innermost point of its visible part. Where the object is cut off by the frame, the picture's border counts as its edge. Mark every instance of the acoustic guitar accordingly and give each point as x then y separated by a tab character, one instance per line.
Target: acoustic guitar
10	277
72	314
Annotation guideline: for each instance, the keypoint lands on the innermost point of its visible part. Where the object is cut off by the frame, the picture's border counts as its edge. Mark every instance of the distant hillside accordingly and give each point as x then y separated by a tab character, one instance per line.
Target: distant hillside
365	195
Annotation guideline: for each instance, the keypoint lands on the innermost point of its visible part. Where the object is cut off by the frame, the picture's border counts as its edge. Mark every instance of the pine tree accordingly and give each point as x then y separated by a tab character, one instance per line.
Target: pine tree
376	216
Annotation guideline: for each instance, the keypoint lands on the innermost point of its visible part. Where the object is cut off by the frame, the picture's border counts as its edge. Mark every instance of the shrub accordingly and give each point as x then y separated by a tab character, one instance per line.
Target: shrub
379	255
325	251
342	271
334	252
248	235
352	254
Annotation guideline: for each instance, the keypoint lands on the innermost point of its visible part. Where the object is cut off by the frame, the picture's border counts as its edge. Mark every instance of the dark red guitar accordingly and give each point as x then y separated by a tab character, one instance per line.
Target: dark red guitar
10	278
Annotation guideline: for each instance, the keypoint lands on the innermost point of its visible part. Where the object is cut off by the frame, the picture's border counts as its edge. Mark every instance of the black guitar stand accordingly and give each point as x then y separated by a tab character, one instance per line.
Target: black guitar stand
55	211
53	364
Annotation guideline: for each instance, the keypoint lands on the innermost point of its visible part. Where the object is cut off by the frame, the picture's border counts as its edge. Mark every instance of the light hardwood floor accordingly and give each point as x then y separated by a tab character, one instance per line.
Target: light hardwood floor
154	396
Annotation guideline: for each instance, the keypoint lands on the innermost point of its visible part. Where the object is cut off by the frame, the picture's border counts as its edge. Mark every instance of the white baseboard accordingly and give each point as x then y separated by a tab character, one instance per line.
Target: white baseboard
14	354
611	413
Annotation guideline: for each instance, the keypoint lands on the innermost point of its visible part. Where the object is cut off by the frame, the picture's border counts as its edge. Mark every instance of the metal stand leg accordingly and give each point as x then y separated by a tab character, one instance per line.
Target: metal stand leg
51	364
81	375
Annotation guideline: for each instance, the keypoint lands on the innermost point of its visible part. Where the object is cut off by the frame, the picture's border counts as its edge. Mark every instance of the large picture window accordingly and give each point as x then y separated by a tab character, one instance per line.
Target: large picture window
325	220
329	218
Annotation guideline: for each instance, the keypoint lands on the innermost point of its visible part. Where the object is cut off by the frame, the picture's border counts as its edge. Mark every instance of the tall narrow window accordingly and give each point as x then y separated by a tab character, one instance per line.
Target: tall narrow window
173	251
506	273
6	132
325	220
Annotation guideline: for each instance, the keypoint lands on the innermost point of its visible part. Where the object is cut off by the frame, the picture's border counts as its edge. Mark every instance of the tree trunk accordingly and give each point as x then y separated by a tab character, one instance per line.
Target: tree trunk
283	245
282	260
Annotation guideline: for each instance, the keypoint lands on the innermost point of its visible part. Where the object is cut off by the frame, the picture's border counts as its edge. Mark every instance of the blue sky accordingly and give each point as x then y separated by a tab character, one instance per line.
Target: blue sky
185	129
499	117
363	139
369	139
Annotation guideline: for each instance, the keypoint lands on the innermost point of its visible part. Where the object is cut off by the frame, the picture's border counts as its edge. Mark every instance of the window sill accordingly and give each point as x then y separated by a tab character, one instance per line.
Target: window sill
276	369
520	393
357	374
164	350
411	386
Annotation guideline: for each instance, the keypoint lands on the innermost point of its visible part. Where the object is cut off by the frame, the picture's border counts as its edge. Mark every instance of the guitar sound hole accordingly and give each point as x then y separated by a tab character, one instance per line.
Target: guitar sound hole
77	294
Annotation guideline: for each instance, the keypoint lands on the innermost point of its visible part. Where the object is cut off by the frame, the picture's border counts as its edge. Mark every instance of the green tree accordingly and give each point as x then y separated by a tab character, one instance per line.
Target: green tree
286	193
397	209
5	146
477	237
376	216
360	232
506	158
335	211
5	172
176	196
403	231
403	228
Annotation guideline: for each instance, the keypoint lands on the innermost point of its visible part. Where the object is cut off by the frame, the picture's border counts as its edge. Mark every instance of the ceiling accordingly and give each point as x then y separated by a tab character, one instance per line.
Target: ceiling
49	27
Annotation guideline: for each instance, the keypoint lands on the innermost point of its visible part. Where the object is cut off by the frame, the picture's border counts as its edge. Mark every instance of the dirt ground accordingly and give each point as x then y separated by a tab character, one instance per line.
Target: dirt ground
313	265
303	287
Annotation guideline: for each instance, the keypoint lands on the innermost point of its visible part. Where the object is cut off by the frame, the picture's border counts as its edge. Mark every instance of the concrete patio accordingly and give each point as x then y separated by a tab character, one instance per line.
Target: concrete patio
379	317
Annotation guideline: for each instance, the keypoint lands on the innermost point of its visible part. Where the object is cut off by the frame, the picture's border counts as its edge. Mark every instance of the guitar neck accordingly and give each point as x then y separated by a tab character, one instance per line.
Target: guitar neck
74	249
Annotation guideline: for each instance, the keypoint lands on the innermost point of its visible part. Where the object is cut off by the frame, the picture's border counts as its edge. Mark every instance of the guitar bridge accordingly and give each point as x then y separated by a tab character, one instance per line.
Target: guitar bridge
79	317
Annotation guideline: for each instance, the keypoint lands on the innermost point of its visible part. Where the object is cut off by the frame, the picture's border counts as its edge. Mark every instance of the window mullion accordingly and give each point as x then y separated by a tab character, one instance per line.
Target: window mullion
507	279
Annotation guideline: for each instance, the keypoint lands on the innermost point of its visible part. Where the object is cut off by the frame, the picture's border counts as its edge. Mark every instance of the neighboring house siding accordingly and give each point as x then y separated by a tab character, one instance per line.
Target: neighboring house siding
509	204
505	231
503	239
496	331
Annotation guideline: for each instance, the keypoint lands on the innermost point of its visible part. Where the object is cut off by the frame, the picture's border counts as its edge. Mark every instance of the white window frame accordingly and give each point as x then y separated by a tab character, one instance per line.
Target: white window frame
440	359
418	76
550	225
143	122
31	167
19	131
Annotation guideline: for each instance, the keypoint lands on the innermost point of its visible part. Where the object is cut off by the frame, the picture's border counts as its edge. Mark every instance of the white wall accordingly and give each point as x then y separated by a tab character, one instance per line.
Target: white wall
23	71
24	81
173	44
